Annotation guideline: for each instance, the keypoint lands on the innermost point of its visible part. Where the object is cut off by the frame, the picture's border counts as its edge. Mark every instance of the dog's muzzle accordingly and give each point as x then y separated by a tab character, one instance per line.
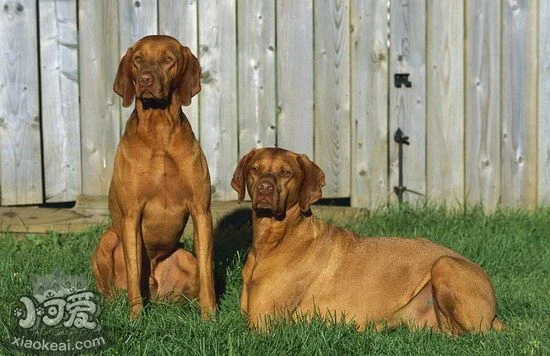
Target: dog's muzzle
265	193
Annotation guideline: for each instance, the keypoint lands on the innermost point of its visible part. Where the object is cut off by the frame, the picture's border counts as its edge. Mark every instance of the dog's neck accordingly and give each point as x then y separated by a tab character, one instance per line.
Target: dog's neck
168	108
269	230
157	122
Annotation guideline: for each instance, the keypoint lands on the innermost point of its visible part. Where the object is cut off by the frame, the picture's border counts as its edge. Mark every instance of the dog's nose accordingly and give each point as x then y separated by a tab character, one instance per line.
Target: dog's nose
145	79
265	187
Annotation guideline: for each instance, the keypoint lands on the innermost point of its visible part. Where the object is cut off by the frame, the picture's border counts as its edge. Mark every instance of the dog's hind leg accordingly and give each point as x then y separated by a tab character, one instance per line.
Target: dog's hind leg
177	276
108	264
464	299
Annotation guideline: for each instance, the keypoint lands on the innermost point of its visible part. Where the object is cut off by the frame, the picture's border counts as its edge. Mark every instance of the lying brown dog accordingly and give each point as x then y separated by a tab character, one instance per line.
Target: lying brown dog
160	178
298	264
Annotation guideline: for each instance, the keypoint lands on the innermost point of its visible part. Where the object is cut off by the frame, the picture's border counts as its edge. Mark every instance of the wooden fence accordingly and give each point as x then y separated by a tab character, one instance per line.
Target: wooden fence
314	76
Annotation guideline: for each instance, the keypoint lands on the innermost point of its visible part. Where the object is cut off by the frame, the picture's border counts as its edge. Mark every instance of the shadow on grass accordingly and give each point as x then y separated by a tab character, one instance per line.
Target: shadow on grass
232	237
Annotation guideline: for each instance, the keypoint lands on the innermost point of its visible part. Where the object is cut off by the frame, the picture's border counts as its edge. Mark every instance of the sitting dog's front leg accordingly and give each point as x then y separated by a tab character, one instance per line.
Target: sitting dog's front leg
202	224
247	274
131	244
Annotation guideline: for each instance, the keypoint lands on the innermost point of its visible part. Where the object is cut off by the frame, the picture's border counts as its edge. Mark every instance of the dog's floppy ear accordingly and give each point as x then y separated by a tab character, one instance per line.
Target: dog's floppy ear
124	81
313	181
190	81
239	180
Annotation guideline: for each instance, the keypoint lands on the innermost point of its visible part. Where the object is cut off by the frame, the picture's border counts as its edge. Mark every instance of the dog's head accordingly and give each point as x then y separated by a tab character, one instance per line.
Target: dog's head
157	69
277	180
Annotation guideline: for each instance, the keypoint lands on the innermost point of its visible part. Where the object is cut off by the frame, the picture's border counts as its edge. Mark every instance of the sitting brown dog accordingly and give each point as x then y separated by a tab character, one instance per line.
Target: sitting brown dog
300	265
160	178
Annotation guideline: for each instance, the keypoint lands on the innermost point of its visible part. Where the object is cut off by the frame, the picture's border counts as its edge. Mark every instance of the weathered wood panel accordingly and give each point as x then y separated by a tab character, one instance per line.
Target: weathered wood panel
445	102
137	19
257	81
408	105
311	76
218	101
332	95
544	104
179	19
60	95
99	106
295	75
482	132
20	157
519	104
369	104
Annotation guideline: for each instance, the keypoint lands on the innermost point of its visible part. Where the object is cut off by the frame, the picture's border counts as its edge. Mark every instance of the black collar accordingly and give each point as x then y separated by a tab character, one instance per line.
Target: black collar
152	103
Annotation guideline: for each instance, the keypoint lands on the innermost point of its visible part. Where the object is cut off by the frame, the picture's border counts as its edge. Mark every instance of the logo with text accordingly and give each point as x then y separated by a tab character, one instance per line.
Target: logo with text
61	316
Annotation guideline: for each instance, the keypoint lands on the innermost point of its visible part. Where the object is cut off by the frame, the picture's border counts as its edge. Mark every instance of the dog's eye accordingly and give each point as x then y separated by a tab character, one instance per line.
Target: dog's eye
286	173
138	59
168	59
255	171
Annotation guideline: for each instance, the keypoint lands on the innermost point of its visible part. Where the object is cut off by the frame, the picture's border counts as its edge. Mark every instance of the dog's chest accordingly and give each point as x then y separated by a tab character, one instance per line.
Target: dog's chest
164	175
281	284
161	163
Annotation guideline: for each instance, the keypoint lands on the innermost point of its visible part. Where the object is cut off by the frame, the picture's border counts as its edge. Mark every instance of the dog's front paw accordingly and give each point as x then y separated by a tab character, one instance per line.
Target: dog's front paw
135	311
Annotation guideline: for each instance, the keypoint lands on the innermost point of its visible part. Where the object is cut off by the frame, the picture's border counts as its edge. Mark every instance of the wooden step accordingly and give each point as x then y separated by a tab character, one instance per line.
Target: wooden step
92	210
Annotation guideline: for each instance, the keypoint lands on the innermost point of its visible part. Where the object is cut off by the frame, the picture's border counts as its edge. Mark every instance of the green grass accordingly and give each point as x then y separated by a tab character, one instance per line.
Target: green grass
513	247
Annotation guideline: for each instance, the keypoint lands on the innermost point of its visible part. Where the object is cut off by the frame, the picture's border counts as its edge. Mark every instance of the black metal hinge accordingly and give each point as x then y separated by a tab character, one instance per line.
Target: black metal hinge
400	79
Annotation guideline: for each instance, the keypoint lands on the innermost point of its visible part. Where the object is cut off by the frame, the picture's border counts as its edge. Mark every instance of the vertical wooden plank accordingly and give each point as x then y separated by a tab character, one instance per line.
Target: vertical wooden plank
99	107
445	102
179	19
519	104
482	151
544	104
218	101
20	159
256	48
60	106
369	104
408	105
295	75
332	95
137	19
